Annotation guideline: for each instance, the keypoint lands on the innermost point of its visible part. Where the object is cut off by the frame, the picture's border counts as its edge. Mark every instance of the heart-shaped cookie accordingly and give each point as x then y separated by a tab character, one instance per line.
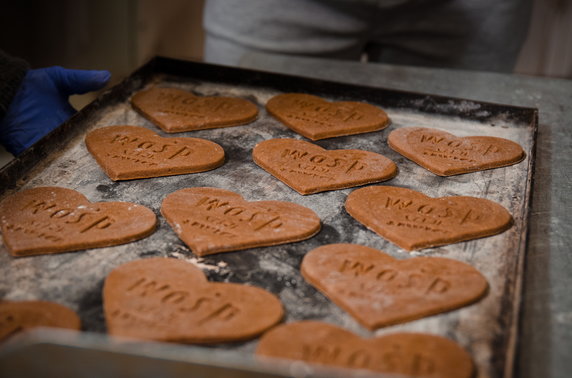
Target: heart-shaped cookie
445	154
51	219
316	118
309	168
20	316
171	300
379	290
413	220
175	110
211	220
131	152
399	354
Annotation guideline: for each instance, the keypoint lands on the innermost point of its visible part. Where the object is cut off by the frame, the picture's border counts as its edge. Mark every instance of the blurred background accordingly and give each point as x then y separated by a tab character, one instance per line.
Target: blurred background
121	35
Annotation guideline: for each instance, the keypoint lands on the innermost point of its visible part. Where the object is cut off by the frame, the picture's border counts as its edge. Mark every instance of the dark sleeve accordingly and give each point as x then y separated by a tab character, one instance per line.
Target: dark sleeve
12	71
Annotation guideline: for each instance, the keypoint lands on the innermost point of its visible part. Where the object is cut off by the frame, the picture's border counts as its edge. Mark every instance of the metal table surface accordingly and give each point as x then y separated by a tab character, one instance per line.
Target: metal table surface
545	339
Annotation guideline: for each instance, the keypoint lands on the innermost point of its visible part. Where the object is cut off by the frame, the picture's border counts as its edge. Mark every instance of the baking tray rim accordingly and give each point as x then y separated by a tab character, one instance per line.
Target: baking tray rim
13	174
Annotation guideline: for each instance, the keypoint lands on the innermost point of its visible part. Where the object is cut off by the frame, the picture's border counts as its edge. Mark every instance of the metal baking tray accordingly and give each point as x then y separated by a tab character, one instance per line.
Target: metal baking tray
487	329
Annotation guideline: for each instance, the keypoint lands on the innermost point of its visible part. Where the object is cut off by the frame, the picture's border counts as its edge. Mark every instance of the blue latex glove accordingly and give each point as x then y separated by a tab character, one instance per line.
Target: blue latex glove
41	104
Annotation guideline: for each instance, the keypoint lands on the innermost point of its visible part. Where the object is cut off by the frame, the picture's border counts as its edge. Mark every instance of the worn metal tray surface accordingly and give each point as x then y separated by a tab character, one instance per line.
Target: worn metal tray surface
487	329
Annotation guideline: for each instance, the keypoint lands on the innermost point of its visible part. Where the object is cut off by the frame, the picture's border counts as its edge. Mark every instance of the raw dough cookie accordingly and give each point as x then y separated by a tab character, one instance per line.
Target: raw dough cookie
445	154
309	168
167	299
412	220
316	118
20	316
131	152
51	219
175	110
379	290
212	220
399	354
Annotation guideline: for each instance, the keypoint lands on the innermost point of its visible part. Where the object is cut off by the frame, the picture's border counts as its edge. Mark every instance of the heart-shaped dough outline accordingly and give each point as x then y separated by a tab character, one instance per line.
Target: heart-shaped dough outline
167	299
229	214
339	118
459	155
47	211
147	154
186	112
379	290
18	316
417	216
403	353
323	169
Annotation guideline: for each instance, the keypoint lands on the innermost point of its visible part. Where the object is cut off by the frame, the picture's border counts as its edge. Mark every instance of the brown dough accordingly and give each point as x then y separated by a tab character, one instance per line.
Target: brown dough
131	152
211	220
51	219
413	220
20	316
379	290
171	300
309	168
315	118
402	354
445	154
175	110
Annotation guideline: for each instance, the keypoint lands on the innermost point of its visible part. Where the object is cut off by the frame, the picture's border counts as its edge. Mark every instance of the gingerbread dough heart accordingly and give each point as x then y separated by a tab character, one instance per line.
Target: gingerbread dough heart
316	118
211	220
399	354
445	154
171	300
413	220
20	316
378	290
309	168
131	152
175	110
51	219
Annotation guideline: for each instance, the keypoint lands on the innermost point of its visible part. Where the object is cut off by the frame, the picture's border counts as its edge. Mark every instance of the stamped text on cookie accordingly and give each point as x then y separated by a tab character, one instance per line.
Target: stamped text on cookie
163	303
320	165
322	113
227	219
192	107
392	359
145	151
51	220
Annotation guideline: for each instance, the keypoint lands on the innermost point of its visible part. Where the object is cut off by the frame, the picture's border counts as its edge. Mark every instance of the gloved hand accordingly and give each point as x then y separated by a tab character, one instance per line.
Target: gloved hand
41	104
